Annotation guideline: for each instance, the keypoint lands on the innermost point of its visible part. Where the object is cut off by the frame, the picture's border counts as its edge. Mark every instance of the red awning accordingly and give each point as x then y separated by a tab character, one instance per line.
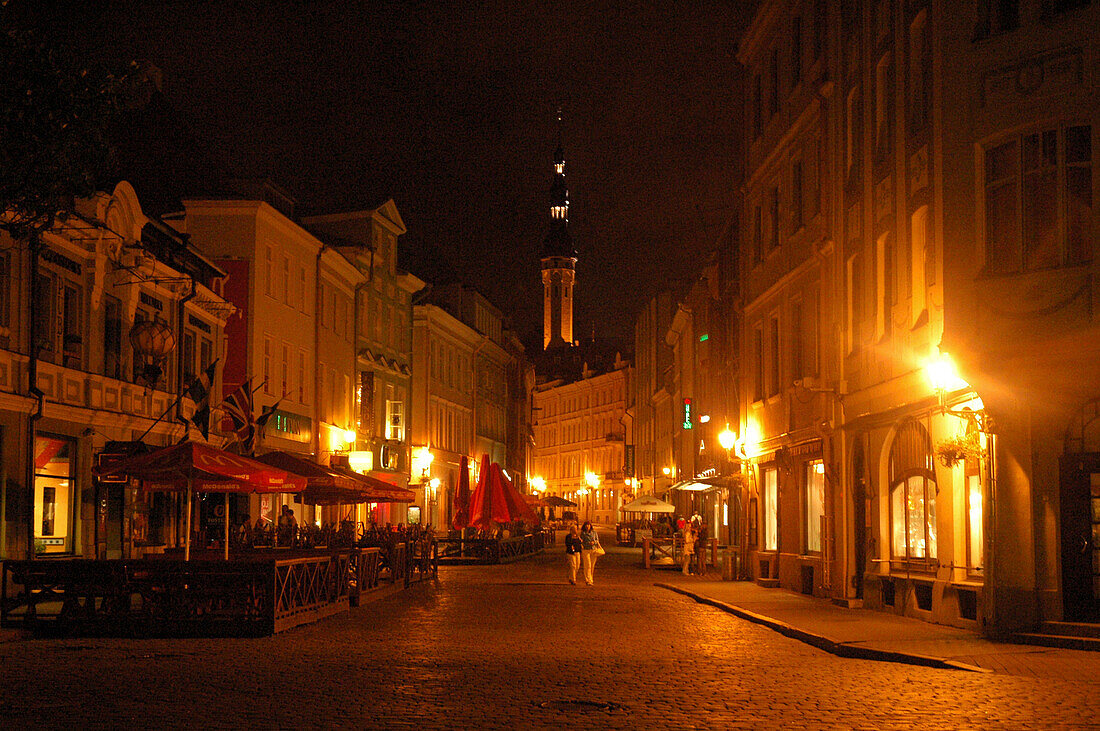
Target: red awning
324	485
208	469
375	490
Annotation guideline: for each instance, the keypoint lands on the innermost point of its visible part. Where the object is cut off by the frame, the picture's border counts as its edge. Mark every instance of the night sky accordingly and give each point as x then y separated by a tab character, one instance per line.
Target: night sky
451	111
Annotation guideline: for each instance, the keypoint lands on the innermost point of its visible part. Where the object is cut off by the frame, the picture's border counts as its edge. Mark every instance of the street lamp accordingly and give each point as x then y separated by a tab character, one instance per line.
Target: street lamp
592	480
727	439
538	485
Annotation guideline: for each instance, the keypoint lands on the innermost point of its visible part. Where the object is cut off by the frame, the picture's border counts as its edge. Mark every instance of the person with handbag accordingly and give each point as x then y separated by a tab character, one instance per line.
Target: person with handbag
590	550
573	552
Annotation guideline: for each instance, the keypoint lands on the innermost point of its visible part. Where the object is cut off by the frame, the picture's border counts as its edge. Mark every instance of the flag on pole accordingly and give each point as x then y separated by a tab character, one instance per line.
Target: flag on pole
199	391
238	407
265	416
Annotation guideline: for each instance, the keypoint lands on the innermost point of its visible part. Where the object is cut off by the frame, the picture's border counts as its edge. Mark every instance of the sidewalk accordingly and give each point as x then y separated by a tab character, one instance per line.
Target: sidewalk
871	635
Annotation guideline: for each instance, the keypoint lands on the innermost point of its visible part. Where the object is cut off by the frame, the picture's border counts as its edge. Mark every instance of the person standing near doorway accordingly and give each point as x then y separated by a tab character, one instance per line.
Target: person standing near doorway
590	550
573	549
687	535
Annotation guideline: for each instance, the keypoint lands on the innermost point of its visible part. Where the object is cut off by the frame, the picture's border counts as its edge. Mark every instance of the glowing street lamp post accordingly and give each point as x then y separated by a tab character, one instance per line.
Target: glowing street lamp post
593	481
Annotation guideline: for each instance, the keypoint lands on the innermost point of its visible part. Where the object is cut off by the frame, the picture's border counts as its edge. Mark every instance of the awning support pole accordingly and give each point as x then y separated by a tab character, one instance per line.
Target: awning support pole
187	536
226	495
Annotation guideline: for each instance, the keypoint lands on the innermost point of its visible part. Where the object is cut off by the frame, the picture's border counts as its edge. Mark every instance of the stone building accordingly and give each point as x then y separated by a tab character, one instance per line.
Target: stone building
103	275
381	317
919	350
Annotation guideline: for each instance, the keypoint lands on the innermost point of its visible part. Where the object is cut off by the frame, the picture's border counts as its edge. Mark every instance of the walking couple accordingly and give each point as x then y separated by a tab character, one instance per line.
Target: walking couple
582	547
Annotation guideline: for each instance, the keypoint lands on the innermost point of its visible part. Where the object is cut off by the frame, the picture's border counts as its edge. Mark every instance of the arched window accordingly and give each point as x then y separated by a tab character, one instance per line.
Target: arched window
912	494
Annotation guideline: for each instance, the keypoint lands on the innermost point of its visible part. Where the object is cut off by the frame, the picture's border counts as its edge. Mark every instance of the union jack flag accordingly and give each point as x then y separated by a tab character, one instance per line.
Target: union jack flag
238	407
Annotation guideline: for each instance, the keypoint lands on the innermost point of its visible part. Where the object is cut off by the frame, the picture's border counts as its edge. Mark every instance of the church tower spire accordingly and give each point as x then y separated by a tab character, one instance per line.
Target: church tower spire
559	259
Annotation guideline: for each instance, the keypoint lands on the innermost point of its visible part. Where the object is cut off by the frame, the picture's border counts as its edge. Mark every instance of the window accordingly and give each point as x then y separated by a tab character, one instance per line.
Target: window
975	550
920	73
883	89
321	303
855	299
796	51
301	376
851	130
912	494
284	371
773	356
771	509
1038	200
758	357
813	509
286	280
395	420
302	289
54	492
884	282
796	195
797	363
269	271
112	337
267	366
923	260
187	356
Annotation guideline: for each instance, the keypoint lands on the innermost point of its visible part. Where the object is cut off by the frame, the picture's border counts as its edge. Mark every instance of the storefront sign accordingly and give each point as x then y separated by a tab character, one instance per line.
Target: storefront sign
687	413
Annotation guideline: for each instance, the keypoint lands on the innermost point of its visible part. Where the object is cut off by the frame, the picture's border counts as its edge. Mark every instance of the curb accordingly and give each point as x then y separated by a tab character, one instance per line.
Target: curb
822	642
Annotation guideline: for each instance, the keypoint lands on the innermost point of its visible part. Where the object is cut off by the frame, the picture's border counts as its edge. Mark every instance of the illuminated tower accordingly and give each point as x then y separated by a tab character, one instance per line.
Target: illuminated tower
559	260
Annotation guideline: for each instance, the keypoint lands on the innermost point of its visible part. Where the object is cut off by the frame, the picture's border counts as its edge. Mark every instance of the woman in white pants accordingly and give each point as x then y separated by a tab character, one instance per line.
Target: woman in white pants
573	552
590	546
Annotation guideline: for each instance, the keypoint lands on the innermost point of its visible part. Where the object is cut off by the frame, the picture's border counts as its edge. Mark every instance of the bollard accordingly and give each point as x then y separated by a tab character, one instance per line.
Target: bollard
645	553
727	566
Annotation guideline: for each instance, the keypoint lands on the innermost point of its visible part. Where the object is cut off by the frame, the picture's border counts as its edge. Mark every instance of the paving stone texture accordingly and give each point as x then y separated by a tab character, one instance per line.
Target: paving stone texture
517	647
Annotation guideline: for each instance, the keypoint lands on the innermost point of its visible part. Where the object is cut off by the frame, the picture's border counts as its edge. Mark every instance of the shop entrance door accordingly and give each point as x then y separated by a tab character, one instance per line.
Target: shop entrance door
1080	537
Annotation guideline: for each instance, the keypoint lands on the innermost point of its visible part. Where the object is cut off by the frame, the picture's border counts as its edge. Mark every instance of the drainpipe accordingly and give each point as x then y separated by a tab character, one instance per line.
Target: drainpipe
182	316
317	375
32	387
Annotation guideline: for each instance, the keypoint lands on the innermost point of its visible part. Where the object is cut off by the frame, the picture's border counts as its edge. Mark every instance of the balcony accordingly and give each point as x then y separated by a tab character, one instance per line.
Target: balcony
71	387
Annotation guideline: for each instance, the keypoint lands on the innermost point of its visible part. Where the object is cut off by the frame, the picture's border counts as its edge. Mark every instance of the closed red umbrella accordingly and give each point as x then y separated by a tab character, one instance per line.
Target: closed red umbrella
461	517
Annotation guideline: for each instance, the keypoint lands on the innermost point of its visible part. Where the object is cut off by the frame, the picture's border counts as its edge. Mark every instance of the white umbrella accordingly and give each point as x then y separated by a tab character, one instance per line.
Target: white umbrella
648	504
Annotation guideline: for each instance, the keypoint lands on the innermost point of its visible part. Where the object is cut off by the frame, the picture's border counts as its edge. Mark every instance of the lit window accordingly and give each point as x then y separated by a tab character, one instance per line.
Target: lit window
771	509
912	494
814	505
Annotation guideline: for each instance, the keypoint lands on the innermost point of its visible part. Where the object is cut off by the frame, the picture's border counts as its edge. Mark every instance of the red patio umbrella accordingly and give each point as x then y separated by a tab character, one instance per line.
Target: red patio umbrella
196	466
495	500
518	506
461	517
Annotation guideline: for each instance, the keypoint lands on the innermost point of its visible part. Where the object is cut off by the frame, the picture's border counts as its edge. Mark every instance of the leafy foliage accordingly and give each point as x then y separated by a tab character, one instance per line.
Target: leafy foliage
55	113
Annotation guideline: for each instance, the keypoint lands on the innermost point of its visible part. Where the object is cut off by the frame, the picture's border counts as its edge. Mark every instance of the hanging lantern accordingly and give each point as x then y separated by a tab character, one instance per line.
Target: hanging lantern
152	341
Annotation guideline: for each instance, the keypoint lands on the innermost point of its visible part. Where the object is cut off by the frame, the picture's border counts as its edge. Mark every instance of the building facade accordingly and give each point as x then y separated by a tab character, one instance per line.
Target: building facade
467	397
105	273
382	319
579	436
274	269
918	371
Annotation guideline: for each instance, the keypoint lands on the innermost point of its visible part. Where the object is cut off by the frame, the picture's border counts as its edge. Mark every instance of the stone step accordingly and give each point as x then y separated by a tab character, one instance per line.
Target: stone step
1071	629
1050	640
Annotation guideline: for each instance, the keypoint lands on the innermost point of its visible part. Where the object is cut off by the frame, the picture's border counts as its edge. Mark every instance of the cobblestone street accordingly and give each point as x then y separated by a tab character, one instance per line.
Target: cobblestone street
514	647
